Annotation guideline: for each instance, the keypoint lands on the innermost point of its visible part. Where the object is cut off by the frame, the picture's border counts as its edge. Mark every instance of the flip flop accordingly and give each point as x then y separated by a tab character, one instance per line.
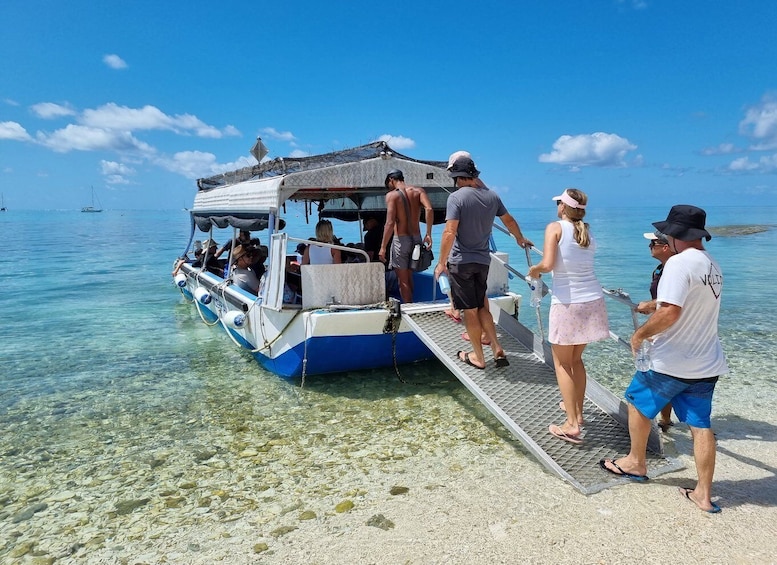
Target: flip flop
665	425
465	337
453	317
467	360
561	434
502	362
686	492
620	472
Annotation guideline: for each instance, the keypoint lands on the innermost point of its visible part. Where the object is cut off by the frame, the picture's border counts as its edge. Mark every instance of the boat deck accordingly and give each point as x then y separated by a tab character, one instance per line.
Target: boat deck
524	397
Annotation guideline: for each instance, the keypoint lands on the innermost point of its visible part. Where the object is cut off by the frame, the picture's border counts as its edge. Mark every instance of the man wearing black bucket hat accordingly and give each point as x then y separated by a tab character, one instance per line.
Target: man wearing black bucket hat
686	357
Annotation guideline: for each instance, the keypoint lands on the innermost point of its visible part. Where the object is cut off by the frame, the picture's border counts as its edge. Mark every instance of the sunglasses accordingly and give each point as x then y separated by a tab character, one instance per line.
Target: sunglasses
656	242
558	202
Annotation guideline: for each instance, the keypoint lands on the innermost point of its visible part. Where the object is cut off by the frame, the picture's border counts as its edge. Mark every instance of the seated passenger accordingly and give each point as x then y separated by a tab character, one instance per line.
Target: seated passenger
259	257
318	255
243	238
212	265
242	275
372	225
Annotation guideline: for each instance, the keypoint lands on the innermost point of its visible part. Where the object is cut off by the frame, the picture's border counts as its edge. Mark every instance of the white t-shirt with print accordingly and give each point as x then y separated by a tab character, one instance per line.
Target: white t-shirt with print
690	348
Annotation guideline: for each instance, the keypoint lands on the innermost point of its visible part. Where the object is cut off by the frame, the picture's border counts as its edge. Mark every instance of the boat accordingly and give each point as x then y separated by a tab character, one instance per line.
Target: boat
92	208
2	203
340	318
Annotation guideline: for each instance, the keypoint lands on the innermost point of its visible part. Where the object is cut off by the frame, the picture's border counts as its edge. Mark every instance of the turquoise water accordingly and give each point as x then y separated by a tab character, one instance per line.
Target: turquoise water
125	418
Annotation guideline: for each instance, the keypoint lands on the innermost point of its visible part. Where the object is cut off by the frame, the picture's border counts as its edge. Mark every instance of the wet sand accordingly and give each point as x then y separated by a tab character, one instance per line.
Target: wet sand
460	508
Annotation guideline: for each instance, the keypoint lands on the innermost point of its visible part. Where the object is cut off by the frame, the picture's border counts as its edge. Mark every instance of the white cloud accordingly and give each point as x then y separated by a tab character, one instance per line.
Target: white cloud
273	133
116	179
114	61
113	116
47	110
114	168
14	131
10	102
397	141
198	164
299	153
722	149
83	138
760	123
766	164
592	150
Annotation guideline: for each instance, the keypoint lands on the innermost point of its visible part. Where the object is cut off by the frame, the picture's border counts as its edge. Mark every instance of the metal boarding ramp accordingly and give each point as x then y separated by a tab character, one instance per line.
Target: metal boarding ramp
525	398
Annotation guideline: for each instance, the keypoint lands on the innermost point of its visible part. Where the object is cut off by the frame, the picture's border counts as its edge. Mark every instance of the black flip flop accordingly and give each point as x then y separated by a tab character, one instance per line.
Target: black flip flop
466	359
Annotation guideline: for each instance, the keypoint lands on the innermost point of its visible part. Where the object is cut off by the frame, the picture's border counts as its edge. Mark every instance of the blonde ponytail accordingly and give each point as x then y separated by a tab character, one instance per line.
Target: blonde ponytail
576	215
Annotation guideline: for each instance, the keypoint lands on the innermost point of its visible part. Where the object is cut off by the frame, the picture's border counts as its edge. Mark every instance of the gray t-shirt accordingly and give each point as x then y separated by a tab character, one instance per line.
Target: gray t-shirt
475	209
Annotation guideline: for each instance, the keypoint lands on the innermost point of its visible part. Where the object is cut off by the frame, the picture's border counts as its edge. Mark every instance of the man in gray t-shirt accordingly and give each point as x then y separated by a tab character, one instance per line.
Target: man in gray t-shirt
465	255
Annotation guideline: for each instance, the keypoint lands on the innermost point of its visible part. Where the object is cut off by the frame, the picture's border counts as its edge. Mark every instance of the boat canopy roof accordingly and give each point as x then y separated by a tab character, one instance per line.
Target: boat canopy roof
346	184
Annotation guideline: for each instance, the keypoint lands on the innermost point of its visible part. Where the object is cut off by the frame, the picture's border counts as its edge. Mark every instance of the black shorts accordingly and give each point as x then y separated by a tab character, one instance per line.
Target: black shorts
469	282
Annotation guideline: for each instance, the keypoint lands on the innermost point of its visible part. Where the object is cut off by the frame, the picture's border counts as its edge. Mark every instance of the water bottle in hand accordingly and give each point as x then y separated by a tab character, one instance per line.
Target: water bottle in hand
536	291
415	256
445	284
642	360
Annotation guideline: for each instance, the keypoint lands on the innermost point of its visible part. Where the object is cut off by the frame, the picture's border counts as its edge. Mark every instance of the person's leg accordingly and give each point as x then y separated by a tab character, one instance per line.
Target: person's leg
489	329
694	407
473	326
405	277
704	456
562	360
665	419
639	432
579	377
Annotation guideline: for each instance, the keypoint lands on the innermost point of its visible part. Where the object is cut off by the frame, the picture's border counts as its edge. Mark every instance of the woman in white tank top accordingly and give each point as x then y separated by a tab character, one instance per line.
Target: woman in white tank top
578	315
319	255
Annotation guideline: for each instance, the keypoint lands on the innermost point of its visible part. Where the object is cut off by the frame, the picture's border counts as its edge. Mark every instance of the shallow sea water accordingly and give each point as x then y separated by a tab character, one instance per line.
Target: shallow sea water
126	420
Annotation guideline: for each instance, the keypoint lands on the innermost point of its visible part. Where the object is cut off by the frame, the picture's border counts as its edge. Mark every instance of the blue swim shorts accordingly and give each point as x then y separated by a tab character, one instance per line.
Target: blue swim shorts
691	399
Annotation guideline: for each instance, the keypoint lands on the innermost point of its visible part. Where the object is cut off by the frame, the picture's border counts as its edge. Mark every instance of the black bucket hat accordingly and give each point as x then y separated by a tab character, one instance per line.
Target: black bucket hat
463	167
684	222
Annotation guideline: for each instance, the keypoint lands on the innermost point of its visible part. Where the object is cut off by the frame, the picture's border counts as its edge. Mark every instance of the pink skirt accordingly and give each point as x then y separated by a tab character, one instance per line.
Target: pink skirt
576	324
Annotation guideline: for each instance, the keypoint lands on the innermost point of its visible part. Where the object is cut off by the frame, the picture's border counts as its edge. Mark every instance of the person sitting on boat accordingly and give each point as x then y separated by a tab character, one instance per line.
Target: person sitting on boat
185	258
260	253
243	238
318	254
242	275
212	264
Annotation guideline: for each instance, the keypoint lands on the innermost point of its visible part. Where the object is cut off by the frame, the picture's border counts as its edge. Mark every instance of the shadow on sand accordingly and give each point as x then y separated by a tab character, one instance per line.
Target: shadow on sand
760	491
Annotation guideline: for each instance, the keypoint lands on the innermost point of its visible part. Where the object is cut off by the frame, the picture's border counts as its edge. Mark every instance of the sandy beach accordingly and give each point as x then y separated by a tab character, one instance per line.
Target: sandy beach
474	508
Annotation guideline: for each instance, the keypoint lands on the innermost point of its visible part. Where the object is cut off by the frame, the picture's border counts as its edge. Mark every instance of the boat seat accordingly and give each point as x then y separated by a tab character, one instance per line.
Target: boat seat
346	283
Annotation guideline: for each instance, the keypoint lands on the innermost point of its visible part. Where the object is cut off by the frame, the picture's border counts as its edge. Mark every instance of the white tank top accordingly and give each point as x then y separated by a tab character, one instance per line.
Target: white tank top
320	255
574	281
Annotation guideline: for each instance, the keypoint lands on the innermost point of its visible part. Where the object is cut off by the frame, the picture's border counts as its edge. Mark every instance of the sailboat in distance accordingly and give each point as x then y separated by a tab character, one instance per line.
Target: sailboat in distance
92	208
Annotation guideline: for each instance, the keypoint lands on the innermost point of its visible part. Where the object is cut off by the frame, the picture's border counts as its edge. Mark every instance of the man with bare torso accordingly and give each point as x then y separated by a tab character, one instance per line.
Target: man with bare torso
403	220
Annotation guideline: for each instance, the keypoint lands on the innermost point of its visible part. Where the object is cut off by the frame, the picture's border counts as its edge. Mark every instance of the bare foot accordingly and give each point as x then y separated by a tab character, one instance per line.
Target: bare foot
712	508
563	407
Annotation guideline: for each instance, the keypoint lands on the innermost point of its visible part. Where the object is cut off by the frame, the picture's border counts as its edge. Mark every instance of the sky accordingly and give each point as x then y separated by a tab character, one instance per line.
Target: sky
636	102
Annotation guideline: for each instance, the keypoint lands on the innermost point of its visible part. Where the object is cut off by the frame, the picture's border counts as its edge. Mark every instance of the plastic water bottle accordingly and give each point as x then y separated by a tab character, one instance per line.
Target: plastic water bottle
642	360
536	291
445	284
415	257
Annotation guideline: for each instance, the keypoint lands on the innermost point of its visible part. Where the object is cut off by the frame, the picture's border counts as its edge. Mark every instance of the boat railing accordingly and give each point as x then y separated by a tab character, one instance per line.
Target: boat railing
333	246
